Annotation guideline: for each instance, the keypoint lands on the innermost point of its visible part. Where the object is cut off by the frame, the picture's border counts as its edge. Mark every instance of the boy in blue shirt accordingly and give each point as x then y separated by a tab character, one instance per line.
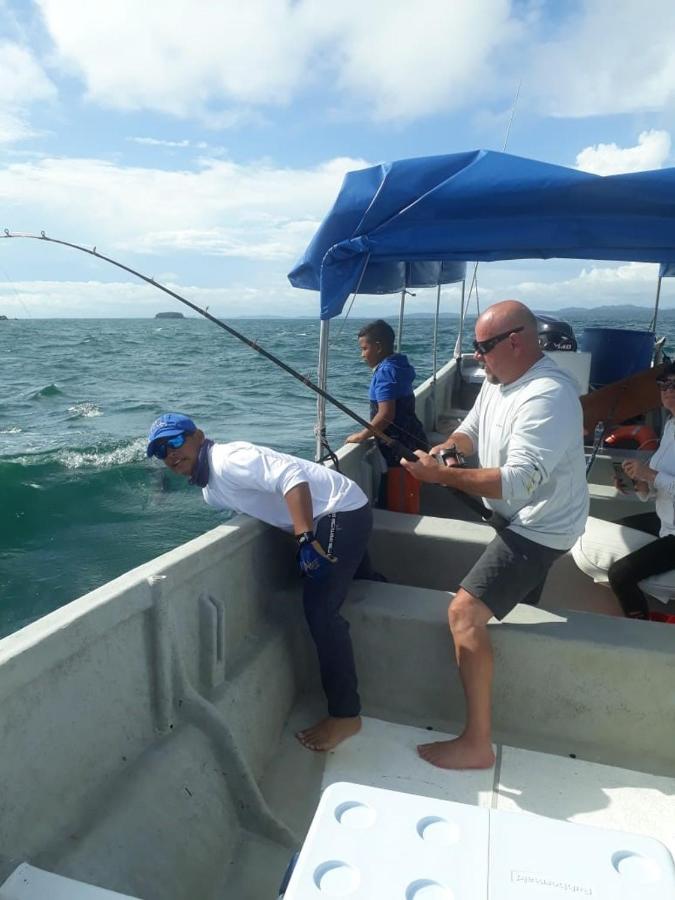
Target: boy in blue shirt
392	402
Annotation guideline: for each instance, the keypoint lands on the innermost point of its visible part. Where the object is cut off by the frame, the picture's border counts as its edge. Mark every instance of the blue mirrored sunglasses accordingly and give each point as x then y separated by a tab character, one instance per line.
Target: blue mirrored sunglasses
161	448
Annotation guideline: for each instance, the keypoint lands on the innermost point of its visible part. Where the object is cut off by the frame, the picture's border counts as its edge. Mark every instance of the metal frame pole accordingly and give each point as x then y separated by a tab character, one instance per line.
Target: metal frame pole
460	336
399	336
435	358
322	380
652	327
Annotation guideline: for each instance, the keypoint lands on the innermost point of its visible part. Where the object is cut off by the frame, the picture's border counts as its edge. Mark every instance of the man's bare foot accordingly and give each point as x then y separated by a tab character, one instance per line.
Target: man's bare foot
327	734
460	753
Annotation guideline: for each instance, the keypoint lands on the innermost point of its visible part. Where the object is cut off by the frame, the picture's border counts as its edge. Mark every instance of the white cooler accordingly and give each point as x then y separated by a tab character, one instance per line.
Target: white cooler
371	844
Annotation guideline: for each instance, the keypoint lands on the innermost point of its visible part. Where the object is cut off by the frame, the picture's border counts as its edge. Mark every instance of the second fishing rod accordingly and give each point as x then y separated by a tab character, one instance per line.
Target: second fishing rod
472	503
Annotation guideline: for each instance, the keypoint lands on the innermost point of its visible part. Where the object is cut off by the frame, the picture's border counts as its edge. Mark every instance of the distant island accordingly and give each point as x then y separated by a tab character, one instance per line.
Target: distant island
2	318
170	315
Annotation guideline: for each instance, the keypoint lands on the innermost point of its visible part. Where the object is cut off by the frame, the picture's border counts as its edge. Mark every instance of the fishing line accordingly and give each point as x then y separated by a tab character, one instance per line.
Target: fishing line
470	501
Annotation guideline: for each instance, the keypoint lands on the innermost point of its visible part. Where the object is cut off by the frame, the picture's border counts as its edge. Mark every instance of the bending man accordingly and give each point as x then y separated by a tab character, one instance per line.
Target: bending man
526	426
331	520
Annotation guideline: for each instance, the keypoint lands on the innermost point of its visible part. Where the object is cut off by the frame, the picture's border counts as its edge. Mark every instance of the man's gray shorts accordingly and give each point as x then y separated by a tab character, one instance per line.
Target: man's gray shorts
511	570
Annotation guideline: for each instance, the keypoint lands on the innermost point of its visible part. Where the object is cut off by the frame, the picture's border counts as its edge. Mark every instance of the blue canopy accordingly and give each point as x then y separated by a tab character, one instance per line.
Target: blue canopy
482	205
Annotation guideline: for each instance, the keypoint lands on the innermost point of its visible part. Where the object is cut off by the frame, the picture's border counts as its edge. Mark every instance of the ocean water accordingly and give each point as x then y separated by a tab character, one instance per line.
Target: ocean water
79	501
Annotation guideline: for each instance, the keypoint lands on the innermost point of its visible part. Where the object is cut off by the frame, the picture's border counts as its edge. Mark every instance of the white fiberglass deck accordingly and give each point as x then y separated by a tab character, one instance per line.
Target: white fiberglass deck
384	755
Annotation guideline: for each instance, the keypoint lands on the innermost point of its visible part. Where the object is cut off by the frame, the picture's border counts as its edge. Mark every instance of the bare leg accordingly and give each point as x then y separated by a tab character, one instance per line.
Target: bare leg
329	732
468	619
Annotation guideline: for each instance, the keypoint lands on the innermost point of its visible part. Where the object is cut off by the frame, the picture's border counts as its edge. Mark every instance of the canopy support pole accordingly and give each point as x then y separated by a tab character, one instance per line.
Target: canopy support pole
652	327
434	409
458	342
399	336
322	379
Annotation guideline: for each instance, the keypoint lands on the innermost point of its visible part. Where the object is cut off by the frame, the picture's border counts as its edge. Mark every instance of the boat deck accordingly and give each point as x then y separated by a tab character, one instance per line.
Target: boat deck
384	755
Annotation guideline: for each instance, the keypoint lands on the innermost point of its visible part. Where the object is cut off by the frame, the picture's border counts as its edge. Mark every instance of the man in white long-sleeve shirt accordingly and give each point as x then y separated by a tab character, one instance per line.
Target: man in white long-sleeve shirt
526	427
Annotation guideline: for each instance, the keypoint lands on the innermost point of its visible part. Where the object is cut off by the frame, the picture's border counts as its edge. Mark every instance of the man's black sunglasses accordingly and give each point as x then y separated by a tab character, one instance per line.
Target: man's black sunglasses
484	347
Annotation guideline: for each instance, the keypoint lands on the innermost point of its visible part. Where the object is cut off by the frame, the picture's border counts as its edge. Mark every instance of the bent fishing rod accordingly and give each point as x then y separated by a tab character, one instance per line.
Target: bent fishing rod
474	503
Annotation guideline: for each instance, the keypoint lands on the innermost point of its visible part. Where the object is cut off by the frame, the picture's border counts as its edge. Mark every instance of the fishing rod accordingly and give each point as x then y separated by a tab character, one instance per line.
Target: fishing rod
473	503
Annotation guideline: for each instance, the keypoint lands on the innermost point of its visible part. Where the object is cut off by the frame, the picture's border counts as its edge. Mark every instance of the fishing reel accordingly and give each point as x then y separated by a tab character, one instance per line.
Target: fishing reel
451	453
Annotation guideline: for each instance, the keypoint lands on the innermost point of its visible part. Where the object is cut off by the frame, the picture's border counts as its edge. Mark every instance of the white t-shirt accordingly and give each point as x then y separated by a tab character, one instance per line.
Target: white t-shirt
663	462
252	479
532	430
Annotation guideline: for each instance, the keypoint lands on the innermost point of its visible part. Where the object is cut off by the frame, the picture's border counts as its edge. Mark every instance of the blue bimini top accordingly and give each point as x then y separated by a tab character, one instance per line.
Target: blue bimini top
480	205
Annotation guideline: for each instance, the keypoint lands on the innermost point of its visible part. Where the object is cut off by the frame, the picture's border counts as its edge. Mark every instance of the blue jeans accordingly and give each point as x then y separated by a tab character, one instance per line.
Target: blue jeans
323	599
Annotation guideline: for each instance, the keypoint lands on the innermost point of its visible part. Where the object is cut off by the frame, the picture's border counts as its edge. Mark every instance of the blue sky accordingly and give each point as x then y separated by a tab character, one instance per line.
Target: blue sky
202	141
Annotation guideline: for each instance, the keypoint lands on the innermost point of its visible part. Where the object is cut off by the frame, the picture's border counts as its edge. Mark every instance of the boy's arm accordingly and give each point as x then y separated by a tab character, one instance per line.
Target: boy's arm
386	411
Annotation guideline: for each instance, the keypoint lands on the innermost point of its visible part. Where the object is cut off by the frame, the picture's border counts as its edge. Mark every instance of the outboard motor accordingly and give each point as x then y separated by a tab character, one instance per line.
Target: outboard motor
555	335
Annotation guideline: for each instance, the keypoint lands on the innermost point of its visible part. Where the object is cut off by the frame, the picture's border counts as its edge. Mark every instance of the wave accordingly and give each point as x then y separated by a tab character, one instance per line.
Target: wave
84	410
12	429
104	455
49	390
60	488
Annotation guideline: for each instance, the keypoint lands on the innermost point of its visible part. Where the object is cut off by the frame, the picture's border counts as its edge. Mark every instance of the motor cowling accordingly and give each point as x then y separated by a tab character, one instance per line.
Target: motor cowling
555	334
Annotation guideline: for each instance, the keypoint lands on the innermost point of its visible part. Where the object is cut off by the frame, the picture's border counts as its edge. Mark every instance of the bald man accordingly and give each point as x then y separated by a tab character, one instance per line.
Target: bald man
526	427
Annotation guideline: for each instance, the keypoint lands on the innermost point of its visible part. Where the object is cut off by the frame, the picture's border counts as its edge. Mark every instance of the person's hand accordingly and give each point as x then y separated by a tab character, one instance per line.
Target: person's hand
426	468
437	449
357	438
313	561
450	459
638	471
618	484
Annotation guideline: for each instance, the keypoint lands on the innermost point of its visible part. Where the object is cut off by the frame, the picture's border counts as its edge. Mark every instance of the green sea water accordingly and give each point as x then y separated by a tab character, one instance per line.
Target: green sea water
79	501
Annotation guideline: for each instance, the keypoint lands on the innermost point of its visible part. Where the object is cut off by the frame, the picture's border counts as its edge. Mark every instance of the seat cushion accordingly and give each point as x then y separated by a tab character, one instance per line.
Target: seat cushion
602	543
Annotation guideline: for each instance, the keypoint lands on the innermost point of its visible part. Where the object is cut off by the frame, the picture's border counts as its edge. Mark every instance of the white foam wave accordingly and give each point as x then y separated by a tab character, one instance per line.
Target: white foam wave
84	410
85	459
13	429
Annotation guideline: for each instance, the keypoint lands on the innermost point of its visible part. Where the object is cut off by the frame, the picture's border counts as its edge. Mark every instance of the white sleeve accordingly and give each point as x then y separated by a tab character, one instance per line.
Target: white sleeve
470	423
254	468
665	481
537	442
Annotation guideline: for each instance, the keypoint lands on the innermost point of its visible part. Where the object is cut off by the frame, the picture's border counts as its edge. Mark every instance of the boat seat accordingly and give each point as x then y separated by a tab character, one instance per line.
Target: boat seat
28	883
602	543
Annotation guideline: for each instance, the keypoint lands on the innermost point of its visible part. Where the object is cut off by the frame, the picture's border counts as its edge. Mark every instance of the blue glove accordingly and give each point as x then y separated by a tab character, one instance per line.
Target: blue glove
313	564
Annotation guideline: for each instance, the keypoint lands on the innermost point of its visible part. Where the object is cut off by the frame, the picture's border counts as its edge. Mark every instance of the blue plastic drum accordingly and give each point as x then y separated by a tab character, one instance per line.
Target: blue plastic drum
617	353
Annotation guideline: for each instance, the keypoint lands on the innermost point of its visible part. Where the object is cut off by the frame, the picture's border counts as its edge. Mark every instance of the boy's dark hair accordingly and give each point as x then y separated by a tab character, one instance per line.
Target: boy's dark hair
379	331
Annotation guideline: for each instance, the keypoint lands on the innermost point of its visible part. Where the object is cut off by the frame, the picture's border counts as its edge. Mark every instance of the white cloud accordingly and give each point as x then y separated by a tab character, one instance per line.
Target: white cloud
406	60
23	80
610	56
586	287
394	61
179	56
259	211
651	152
23	83
590	285
222	62
156	142
14	127
97	299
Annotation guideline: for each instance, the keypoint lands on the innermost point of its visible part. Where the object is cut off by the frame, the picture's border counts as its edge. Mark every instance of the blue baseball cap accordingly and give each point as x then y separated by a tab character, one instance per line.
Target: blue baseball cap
169	425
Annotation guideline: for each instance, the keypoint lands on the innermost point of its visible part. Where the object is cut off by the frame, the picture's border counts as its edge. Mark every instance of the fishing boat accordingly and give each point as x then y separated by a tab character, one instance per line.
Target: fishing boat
148	726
